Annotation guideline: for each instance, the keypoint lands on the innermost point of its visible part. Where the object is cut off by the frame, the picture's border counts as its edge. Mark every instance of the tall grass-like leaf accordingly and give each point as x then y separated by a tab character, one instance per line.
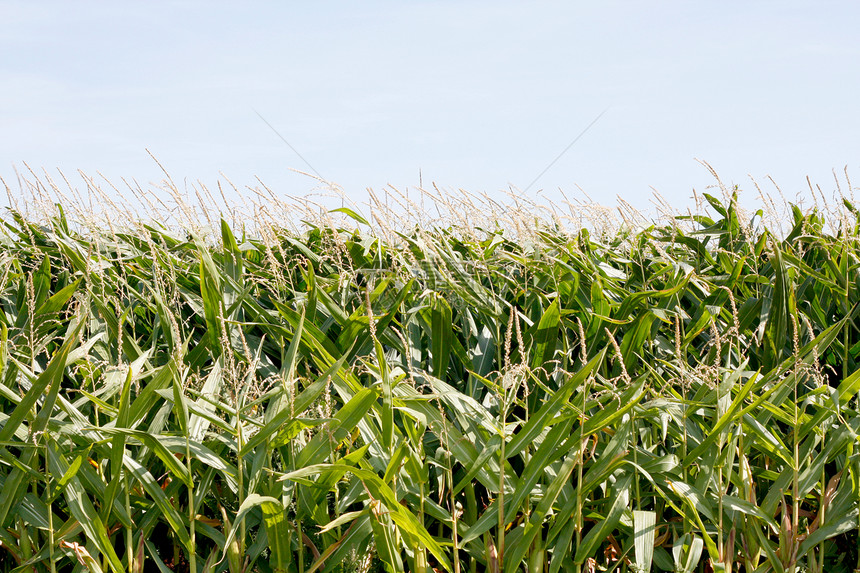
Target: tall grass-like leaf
82	509
276	423
599	533
165	507
546	336
406	522
278	533
778	308
516	551
210	292
273	518
49	380
686	551
155	443
644	527
341	426
441	335
538	421
549	451
198	424
118	446
57	301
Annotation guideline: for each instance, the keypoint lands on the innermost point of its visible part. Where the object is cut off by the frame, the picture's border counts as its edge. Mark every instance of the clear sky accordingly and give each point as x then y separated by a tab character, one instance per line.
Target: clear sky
476	95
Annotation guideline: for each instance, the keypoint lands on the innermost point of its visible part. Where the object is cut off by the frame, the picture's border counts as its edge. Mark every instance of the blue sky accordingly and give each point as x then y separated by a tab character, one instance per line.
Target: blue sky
477	95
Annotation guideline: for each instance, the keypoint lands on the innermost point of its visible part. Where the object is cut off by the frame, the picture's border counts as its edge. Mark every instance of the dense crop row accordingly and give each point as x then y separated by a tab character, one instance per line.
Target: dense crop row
681	397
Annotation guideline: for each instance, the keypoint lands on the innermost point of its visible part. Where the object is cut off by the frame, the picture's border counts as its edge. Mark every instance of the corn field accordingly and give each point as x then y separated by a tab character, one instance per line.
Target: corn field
680	396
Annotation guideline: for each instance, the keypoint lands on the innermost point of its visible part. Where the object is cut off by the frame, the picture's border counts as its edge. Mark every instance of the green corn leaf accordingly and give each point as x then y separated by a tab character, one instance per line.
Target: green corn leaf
849	388
302	402
70	473
687	551
344	422
604	527
385	538
546	336
730	416
254	501
210	293
58	300
515	553
779	307
387	413
608	417
155	443
352	214
82	509
644	526
835	524
634	340
42	282
700	507
441	335
180	406
737	504
49	380
118	446
487	451
539	420
165	507
550	450
198	424
278	532
51	377
406	522
161	379
234	262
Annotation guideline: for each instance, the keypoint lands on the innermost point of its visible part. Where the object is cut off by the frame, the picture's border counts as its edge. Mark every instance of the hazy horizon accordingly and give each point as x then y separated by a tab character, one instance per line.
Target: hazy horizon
477	96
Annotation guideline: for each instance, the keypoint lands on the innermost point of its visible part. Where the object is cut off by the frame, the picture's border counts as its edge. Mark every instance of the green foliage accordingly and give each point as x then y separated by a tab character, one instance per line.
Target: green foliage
678	398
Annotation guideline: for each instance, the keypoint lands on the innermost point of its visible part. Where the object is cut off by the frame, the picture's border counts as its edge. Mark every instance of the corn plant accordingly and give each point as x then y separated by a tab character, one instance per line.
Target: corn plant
679	396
